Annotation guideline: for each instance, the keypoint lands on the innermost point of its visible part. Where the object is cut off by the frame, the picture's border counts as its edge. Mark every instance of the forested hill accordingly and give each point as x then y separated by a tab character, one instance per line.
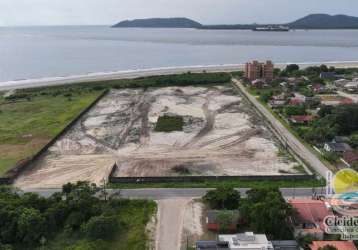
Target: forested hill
324	21
313	21
178	22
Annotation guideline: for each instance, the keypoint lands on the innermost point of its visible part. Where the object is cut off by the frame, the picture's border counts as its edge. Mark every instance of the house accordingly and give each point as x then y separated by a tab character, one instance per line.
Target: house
341	139
309	217
337	147
294	81
247	241
301	119
212	245
351	86
258	83
345	101
319	88
313	101
296	101
283	84
277	103
213	223
350	157
327	75
285	245
341	82
340	245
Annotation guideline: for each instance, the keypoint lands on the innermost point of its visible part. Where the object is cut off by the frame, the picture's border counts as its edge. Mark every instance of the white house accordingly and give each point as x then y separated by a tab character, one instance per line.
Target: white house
351	86
247	241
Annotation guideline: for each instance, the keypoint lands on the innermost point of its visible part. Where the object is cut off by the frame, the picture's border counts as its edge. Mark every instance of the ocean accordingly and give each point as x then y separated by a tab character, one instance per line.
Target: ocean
37	52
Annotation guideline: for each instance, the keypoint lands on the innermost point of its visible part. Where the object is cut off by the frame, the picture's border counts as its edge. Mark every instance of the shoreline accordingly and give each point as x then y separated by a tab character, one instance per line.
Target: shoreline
130	74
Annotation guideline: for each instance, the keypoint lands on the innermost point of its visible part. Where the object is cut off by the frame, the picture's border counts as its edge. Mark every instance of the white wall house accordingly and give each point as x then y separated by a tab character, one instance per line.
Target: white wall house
247	241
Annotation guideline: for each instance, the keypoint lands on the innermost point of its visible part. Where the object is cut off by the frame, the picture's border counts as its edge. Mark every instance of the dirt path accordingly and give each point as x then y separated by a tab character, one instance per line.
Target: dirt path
209	124
170	223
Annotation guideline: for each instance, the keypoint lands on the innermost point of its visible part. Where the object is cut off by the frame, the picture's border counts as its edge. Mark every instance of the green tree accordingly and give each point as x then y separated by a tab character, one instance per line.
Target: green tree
292	67
294	110
5	247
266	211
305	241
323	68
100	227
353	140
31	226
222	198
266	96
325	110
225	220
355	165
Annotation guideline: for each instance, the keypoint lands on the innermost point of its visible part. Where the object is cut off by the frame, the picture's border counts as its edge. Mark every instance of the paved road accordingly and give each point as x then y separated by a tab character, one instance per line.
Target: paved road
183	193
92	77
290	139
354	97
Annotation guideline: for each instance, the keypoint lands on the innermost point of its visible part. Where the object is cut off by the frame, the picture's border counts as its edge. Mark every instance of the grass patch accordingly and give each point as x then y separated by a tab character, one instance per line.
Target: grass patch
231	183
30	120
169	123
186	79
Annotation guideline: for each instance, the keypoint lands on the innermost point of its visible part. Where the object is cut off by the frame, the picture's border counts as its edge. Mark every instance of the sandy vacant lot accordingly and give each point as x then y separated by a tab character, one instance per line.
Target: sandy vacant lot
221	136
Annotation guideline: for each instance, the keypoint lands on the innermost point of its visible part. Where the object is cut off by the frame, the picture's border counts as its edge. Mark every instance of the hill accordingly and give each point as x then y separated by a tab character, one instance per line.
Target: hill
324	21
177	22
313	21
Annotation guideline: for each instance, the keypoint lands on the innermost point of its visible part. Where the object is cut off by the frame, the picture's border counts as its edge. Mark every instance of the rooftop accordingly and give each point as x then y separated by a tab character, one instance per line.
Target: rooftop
339	147
340	245
302	118
311	211
247	240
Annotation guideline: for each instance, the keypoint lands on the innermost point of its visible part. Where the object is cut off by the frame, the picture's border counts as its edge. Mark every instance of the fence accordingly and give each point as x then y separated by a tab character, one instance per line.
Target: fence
169	179
26	164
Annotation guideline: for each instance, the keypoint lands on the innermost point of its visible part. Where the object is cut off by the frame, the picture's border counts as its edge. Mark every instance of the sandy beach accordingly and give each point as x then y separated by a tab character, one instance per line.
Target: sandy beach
129	74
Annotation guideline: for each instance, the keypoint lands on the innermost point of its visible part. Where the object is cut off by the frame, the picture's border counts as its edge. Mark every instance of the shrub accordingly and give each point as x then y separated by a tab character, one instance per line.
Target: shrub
100	227
169	123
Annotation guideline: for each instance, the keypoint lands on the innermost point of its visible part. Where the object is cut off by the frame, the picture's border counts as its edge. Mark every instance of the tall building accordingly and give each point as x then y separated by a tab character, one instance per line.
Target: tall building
255	70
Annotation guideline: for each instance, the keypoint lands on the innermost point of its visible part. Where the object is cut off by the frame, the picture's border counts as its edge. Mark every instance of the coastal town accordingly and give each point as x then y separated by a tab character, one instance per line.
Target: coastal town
259	131
178	125
307	100
299	99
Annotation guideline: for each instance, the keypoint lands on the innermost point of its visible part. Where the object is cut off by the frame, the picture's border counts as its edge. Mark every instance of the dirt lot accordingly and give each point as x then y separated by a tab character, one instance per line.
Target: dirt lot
221	136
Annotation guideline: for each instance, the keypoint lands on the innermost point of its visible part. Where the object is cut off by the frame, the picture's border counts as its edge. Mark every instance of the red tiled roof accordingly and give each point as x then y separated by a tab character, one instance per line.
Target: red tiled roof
295	101
313	211
302	118
346	101
350	156
340	245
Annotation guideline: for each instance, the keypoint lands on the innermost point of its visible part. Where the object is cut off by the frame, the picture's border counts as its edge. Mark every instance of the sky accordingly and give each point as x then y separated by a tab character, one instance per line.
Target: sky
107	12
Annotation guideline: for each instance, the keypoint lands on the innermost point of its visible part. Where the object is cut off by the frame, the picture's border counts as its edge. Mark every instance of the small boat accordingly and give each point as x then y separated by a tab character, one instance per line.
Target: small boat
272	28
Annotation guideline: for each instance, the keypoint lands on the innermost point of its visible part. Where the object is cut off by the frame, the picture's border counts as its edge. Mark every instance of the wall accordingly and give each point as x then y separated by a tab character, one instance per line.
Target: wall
168	179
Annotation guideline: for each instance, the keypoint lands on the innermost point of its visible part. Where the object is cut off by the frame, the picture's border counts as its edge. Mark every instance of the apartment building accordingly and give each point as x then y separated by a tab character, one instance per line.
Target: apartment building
256	70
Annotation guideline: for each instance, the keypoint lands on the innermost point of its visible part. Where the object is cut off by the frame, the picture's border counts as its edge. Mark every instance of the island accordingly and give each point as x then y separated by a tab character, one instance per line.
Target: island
312	21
